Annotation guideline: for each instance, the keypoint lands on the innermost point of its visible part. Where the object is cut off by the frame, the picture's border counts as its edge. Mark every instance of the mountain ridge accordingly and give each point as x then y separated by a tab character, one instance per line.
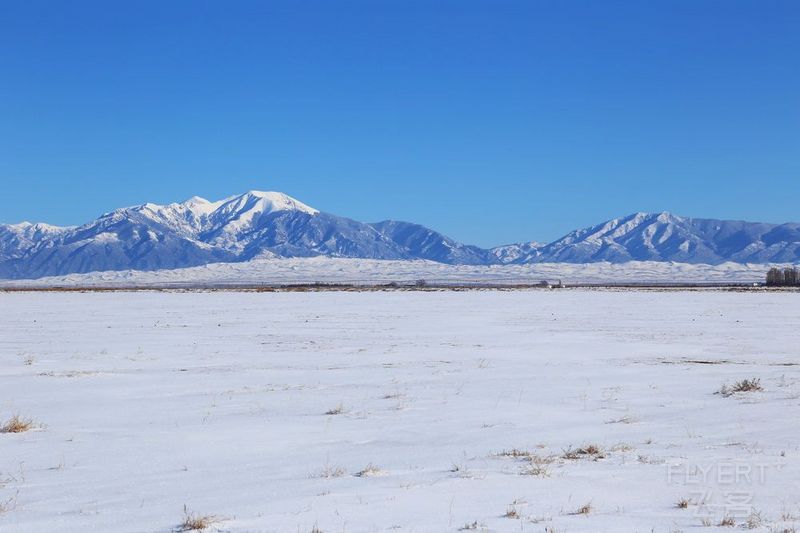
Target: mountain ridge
260	224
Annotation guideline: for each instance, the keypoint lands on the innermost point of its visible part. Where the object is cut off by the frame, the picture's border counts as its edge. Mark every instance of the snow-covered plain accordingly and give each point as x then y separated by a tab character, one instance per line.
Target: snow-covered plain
149	401
371	271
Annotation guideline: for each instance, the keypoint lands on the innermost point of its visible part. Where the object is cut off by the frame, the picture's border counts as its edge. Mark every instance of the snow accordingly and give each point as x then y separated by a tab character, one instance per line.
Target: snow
199	205
149	401
272	201
367	271
230	215
40	226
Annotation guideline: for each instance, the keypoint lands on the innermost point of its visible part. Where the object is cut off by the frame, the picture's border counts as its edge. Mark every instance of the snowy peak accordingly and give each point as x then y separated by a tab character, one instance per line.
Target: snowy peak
275	201
18	239
199	206
260	224
198	216
257	203
668	237
243	210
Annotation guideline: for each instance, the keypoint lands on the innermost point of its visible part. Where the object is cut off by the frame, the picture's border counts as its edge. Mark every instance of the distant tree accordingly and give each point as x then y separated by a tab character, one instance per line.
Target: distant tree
777	277
790	276
774	277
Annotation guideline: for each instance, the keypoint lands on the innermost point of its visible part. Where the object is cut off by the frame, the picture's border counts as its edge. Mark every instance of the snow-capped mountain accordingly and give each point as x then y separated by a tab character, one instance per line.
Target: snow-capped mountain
525	252
667	237
271	224
16	239
196	232
420	242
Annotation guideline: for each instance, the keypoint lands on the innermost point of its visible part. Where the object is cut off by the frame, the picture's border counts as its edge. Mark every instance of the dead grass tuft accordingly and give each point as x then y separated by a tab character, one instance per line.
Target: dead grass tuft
755	520
683	503
515	453
330	472
370	471
512	512
339	409
592	451
744	385
196	522
537	470
16	424
727	522
584	509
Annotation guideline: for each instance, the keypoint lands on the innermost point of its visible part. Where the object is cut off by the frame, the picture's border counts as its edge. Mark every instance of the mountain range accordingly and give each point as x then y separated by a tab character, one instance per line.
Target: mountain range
271	224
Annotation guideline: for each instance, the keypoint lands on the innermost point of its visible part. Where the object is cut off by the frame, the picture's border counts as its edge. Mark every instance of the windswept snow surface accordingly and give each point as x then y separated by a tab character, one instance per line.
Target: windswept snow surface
366	271
148	401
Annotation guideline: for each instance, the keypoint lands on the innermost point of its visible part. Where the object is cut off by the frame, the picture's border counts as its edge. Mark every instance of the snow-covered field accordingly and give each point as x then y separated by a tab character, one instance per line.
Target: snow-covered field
144	402
370	271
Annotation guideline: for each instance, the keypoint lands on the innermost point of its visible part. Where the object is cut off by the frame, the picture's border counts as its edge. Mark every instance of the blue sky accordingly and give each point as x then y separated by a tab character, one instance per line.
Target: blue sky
491	121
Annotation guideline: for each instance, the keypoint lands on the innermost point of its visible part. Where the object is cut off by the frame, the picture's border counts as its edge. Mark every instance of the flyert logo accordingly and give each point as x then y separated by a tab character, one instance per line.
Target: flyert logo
722	491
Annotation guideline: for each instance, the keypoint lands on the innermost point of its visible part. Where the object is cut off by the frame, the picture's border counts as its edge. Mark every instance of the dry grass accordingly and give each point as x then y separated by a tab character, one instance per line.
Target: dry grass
727	522
744	385
683	503
537	470
584	509
330	472
315	529
512	512
539	466
592	451
339	409
16	424
755	520
515	453
370	471
196	522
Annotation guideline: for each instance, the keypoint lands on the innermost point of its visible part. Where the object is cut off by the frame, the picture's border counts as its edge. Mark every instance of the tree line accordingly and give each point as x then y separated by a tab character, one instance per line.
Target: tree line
783	277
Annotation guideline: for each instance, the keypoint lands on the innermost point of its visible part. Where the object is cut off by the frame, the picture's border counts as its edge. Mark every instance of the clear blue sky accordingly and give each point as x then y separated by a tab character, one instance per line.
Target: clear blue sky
491	121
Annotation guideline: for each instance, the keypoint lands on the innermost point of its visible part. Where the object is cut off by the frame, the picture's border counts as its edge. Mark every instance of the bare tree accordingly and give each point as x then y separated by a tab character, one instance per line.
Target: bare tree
777	277
774	277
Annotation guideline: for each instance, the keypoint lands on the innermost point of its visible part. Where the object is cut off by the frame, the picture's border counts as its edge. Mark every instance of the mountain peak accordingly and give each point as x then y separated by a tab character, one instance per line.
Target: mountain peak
270	201
36	226
196	200
657	215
